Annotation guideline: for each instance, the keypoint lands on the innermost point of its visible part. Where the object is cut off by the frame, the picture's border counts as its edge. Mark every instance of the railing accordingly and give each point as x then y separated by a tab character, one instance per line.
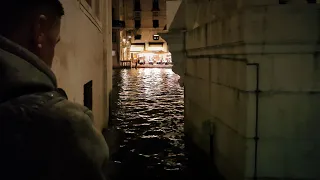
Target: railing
125	64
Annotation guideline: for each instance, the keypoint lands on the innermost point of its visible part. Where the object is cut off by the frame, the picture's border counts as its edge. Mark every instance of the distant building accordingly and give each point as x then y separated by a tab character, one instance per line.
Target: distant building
143	20
83	64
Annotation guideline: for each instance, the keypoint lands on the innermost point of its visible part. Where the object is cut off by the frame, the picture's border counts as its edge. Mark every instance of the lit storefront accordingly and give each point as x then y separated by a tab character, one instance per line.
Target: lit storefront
135	49
149	57
151	53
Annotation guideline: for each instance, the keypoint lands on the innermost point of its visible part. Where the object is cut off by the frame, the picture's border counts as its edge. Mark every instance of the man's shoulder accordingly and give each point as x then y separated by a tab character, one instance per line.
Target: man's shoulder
52	105
80	121
65	109
52	112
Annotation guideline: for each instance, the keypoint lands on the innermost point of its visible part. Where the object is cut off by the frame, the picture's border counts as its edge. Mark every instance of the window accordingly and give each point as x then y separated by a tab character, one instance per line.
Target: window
97	8
87	95
155	13
137	37
155	23
113	15
155	5
137	5
114	37
137	24
156	37
137	15
89	2
92	9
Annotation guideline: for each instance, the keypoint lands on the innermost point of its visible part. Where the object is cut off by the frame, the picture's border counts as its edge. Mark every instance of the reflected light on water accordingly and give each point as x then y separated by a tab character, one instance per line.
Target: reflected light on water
151	80
149	108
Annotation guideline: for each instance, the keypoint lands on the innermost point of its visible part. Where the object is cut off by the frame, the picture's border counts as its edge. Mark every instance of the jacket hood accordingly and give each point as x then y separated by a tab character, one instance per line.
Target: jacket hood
22	72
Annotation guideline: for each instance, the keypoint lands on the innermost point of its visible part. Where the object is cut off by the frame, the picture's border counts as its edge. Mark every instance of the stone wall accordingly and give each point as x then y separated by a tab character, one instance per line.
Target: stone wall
80	57
226	41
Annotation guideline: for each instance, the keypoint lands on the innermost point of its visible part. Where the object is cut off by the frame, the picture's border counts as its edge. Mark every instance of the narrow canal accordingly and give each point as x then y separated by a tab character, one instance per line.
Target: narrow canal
148	106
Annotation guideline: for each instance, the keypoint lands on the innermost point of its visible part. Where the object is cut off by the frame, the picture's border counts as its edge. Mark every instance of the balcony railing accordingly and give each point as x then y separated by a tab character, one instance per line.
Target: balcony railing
117	24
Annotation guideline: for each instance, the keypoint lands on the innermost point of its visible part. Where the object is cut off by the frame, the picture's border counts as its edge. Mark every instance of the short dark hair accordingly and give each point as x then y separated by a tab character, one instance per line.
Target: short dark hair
15	12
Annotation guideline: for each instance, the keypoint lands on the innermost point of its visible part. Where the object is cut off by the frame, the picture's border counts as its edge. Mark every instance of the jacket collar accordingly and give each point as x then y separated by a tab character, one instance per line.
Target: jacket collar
22	72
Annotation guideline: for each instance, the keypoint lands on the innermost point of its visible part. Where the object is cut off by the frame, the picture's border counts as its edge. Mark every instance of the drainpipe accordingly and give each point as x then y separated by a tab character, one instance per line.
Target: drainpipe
184	32
256	136
211	142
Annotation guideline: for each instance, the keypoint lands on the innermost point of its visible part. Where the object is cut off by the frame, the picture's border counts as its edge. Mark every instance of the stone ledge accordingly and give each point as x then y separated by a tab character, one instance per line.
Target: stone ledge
242	48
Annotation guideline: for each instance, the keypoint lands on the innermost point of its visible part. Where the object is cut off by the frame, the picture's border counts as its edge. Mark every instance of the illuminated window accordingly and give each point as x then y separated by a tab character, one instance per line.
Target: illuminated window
156	37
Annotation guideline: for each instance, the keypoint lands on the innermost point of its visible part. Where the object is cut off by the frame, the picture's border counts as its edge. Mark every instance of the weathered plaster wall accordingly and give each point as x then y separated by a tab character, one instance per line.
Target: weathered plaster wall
79	58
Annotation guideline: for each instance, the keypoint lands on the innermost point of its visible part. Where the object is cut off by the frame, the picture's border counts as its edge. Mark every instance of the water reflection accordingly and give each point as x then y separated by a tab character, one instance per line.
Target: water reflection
148	105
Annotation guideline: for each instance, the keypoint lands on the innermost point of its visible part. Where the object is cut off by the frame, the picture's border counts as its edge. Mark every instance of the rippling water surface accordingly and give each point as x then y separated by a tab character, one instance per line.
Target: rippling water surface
148	106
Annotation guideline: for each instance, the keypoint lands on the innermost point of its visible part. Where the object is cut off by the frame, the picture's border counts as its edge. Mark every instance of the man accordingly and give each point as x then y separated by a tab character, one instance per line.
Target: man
136	62
43	136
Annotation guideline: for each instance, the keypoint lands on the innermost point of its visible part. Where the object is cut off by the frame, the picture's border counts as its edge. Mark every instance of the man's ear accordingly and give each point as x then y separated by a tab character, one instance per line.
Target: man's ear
41	24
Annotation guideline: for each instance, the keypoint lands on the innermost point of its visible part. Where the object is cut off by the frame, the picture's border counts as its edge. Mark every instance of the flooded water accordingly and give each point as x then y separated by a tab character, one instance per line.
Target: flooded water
148	106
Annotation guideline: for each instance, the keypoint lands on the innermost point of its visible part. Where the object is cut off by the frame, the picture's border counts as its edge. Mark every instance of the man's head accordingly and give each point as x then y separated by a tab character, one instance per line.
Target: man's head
34	24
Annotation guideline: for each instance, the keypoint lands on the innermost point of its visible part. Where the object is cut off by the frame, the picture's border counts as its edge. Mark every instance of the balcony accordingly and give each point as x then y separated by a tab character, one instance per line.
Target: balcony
117	24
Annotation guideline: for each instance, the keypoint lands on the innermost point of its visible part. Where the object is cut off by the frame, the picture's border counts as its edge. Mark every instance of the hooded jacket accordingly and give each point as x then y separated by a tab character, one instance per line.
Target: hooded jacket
43	136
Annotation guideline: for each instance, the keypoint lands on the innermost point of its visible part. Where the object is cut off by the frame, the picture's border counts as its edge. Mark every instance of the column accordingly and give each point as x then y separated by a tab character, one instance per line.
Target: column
175	40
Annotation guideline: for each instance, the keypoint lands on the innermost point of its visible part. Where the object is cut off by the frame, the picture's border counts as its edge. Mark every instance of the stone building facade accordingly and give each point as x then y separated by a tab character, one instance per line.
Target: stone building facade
143	20
251	72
